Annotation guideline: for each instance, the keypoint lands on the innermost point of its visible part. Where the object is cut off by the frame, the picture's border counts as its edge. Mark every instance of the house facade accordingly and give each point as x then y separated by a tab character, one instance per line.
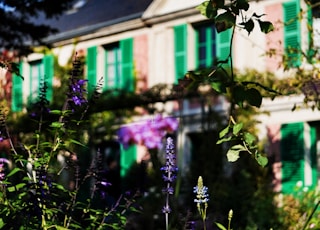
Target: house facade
137	46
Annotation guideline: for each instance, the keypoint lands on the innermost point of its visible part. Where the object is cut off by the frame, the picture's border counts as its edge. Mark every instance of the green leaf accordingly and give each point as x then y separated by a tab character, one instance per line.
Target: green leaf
239	95
56	124
249	138
224	131
217	3
58	112
254	97
16	187
60	228
248	26
225	21
224	140
77	143
242	5
220	226
219	87
234	151
207	9
237	128
14	171
258	16
265	26
262	160
2	224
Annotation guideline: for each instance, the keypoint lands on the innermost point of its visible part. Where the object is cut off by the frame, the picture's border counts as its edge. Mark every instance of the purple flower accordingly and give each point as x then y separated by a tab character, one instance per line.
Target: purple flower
77	91
149	133
2	168
169	175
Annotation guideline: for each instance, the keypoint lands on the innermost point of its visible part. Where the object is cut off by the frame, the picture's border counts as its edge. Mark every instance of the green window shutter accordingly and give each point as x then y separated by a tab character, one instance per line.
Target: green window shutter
127	158
127	77
17	89
180	51
292	38
48	62
292	155
313	155
91	61
223	45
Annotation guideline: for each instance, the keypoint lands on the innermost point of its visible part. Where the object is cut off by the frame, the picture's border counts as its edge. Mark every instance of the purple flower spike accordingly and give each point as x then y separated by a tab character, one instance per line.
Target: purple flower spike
169	175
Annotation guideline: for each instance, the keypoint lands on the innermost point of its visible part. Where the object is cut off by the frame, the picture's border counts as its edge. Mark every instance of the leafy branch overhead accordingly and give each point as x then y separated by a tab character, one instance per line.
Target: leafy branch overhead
229	13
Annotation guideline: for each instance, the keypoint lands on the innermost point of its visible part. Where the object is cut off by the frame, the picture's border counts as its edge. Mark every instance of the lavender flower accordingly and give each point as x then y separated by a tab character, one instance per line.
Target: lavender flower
77	92
2	168
202	199
169	175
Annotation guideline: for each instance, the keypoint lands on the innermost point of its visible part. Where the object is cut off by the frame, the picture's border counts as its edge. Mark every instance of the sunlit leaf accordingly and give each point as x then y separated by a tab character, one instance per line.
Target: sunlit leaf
13	171
237	128
56	124
224	132
262	160
220	226
249	138
233	155
58	112
224	140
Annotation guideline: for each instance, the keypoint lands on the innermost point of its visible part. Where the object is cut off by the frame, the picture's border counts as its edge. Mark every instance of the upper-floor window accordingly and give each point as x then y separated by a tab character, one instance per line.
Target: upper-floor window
205	45
117	63
36	76
113	67
41	71
210	46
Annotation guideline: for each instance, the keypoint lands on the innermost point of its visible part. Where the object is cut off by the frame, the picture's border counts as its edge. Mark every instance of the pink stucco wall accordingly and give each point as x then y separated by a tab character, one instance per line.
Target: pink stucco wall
140	58
274	39
274	138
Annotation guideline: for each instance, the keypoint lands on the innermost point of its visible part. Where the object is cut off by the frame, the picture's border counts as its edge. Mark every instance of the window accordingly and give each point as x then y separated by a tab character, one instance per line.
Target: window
205	45
210	45
118	69
113	67
36	76
40	71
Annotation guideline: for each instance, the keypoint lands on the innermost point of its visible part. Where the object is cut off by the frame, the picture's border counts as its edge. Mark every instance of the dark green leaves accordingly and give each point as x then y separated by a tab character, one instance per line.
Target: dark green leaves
207	9
248	25
265	26
250	95
225	21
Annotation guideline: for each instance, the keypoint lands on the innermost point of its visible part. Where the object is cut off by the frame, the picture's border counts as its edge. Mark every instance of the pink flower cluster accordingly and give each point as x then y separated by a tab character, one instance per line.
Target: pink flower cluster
149	133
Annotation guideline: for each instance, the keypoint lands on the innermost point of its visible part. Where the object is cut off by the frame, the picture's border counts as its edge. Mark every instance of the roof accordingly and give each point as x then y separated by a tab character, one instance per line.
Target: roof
90	15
